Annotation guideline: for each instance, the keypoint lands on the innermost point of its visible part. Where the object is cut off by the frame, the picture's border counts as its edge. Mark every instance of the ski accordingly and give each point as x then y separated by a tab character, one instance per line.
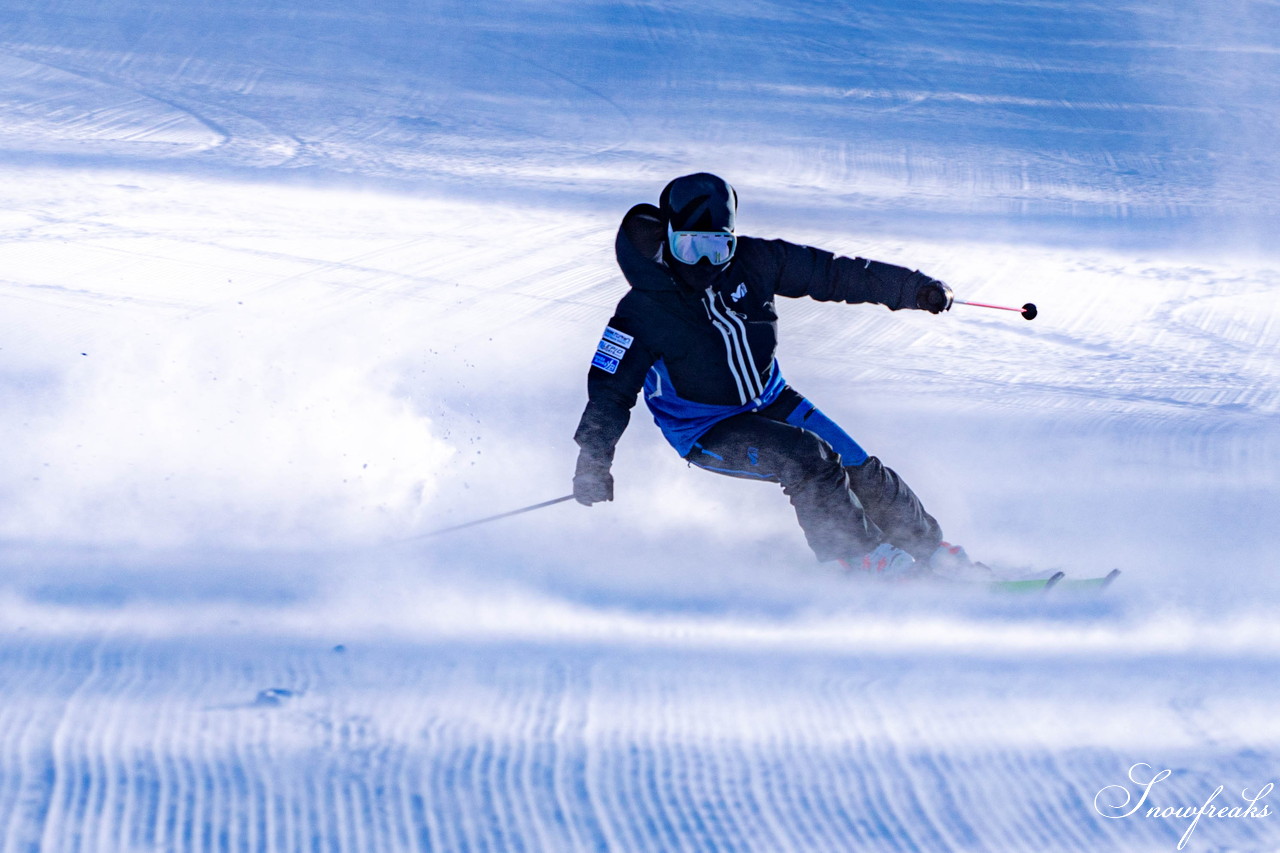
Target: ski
1056	581
1085	584
1032	585
1055	584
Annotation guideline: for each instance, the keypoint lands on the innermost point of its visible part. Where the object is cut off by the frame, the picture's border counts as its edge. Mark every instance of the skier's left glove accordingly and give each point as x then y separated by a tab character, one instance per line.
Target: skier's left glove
932	295
592	482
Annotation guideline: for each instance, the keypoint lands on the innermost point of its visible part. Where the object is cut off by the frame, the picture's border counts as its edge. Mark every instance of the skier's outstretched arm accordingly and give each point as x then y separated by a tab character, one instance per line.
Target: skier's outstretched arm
616	377
821	275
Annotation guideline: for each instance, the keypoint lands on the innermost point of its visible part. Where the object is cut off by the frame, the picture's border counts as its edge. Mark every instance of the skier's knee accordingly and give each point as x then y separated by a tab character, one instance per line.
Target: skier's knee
873	481
809	457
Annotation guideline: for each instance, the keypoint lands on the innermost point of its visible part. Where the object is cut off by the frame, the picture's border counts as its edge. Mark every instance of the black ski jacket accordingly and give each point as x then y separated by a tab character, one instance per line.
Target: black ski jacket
706	354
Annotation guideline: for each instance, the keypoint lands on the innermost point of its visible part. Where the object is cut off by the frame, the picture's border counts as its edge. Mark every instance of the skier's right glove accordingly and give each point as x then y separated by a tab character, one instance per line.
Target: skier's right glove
932	295
592	482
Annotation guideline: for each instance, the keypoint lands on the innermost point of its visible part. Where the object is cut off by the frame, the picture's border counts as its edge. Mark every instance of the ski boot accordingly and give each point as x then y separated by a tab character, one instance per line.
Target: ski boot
885	562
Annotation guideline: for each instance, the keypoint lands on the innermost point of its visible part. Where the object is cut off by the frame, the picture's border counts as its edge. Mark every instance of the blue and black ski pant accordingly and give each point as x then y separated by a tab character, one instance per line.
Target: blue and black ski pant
846	501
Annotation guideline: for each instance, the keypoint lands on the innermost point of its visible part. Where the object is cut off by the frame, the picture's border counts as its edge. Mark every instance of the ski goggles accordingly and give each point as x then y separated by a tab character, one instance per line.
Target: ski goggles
691	246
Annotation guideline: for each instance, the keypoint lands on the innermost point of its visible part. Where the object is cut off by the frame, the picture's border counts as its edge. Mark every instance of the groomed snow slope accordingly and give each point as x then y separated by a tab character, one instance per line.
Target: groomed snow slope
286	284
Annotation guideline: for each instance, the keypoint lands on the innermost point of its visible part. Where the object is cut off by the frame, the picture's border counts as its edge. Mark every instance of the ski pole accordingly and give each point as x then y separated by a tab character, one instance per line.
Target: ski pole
1028	310
493	517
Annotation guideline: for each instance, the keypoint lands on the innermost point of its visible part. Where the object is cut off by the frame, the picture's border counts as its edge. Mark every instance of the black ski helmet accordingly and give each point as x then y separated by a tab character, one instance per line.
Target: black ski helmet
699	202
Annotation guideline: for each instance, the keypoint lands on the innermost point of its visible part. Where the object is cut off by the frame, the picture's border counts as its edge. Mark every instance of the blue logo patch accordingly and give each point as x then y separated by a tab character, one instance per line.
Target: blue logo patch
611	350
607	363
613	336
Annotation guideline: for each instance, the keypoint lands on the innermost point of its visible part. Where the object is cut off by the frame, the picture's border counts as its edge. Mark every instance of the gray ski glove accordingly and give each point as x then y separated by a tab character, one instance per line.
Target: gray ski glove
592	482
933	296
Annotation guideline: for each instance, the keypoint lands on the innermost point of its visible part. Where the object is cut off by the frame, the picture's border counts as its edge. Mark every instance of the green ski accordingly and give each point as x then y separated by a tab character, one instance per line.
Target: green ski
1085	584
1033	585
1056	581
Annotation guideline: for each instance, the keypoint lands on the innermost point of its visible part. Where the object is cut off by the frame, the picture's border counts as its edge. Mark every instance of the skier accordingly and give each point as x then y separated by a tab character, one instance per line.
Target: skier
697	331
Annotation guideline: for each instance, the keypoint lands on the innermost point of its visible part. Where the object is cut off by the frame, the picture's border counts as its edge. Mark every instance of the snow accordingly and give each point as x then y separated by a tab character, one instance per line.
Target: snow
286	285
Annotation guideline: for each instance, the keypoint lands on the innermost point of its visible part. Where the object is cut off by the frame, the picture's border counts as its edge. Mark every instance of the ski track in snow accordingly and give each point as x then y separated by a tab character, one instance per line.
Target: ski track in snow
157	744
285	284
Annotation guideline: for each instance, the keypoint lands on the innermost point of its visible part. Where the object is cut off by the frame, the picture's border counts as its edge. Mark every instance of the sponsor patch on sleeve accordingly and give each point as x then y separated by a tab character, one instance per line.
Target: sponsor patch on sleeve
607	363
613	336
611	350
612	347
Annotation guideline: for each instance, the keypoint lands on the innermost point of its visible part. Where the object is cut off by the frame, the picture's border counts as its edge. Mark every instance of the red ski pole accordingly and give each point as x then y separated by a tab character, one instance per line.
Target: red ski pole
1028	310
